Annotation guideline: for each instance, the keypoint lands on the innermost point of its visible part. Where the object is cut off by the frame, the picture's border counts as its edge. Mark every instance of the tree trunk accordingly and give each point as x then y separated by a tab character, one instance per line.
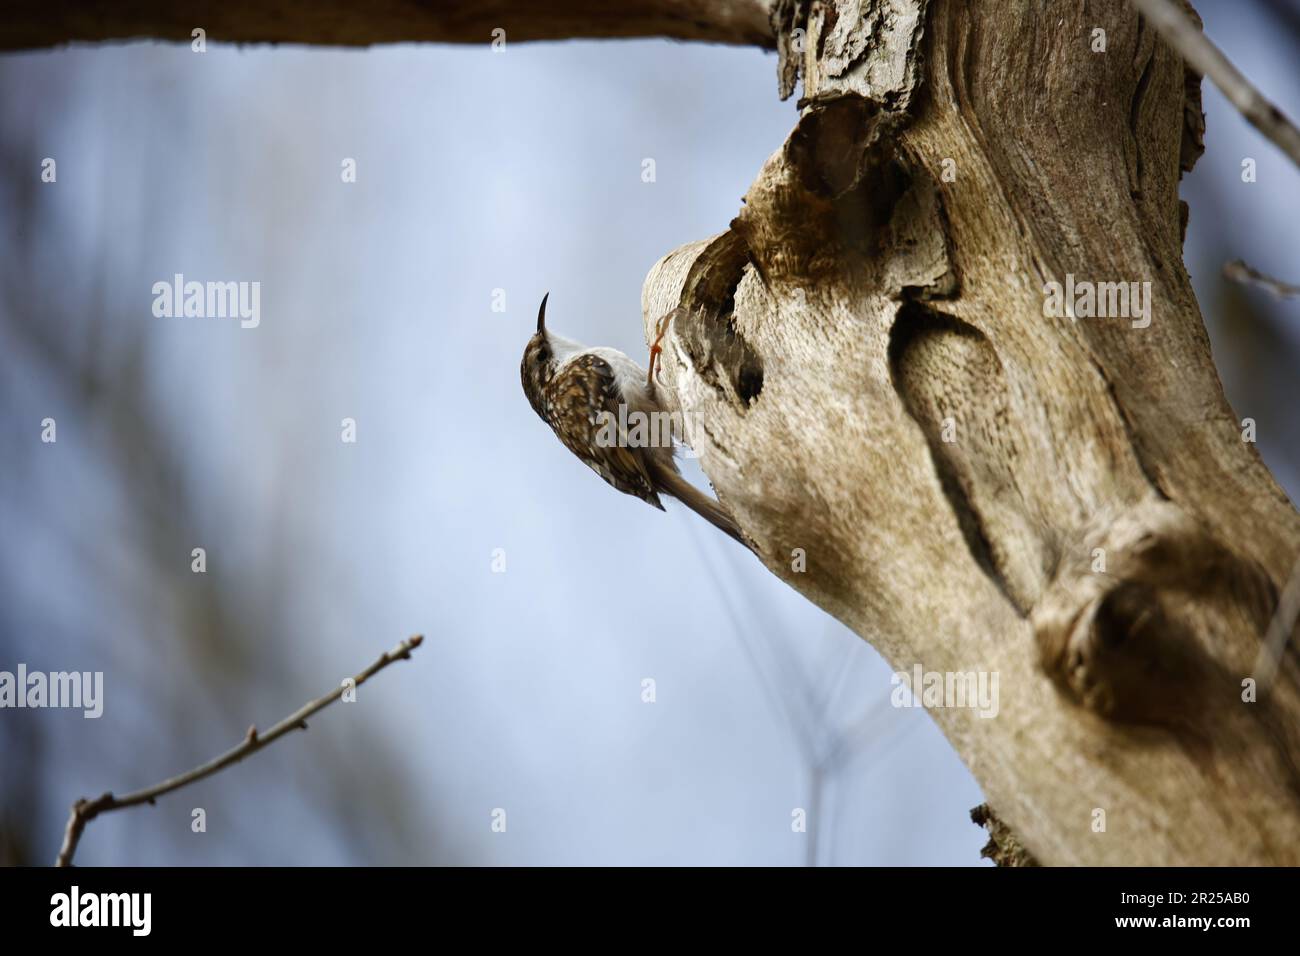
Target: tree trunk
872	372
872	384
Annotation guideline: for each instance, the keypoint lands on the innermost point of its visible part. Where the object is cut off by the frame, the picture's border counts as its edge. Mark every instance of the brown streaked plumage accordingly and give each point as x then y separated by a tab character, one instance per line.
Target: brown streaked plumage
570	386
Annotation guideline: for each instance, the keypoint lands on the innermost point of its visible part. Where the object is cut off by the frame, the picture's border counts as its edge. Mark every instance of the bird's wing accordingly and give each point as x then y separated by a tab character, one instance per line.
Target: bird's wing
582	388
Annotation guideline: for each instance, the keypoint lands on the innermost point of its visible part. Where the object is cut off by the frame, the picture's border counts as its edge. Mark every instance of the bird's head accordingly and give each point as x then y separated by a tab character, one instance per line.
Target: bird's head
539	360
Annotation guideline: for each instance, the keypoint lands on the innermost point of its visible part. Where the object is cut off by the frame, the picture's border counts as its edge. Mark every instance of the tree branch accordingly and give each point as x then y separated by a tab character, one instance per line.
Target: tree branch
83	811
1207	59
1239	271
338	22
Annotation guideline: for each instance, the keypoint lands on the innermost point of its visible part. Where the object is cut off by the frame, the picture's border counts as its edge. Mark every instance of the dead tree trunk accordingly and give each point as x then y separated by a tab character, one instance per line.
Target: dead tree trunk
870	379
872	376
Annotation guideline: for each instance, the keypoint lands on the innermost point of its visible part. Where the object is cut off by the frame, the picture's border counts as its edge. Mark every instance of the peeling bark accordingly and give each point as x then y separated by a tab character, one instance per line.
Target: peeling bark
1003	848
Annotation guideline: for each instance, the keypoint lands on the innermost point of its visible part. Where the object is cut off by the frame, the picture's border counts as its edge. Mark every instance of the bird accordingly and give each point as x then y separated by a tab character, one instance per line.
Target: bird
589	396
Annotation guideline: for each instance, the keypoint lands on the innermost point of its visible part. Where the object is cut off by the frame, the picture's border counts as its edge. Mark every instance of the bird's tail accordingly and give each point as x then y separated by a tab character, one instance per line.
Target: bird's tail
670	482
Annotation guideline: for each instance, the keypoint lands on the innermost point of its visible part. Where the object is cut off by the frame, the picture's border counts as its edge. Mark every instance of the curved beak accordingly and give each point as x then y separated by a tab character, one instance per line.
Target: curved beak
541	314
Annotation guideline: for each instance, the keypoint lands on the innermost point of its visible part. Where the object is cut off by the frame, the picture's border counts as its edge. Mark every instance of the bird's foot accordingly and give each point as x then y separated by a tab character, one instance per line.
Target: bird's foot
661	329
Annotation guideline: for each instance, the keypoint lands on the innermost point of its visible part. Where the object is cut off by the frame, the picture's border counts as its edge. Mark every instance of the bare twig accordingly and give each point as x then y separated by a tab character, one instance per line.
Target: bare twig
83	811
1238	271
1208	60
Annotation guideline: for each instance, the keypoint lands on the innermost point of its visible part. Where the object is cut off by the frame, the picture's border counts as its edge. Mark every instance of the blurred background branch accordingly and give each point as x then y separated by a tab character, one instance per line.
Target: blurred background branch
1238	271
338	22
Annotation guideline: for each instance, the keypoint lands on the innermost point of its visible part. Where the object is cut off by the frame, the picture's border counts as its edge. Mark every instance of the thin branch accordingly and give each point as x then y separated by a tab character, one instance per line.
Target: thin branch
83	811
1208	60
1238	271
